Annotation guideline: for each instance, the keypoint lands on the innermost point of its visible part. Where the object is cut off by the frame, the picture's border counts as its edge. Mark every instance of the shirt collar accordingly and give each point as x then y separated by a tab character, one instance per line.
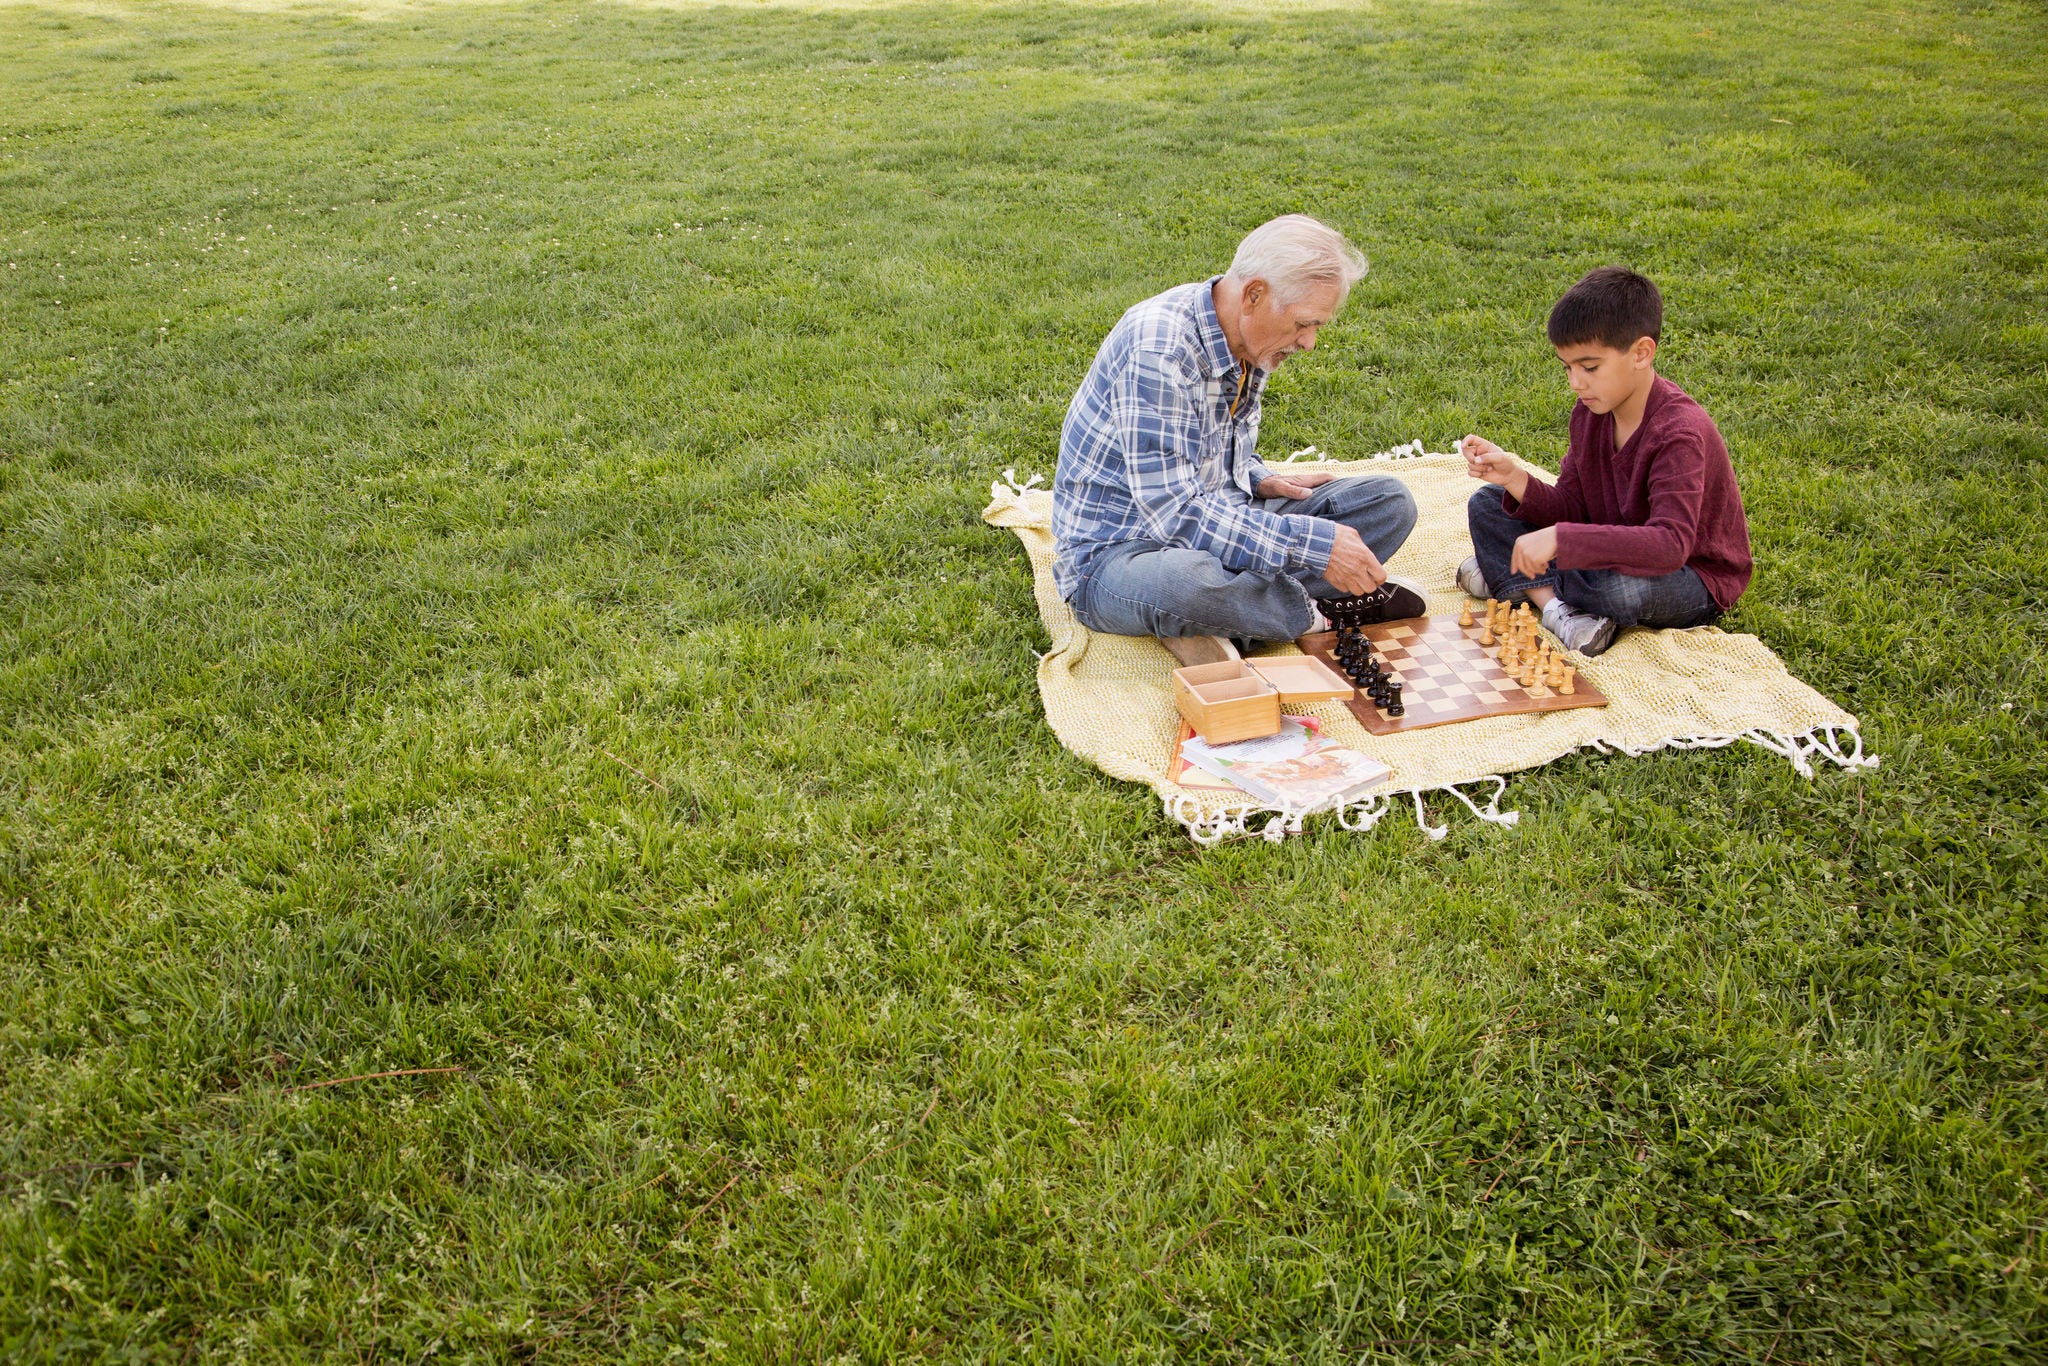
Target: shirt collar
1660	393
1215	346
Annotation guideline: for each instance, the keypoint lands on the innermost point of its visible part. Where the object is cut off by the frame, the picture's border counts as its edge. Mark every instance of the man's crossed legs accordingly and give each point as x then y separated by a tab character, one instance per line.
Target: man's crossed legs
1142	588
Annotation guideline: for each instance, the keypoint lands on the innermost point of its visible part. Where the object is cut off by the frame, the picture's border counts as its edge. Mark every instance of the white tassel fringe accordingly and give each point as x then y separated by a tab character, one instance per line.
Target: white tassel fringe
1841	745
1234	822
1799	750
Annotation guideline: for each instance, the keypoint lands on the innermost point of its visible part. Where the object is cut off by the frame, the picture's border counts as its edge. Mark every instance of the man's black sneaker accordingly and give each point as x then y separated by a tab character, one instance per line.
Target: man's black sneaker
1391	601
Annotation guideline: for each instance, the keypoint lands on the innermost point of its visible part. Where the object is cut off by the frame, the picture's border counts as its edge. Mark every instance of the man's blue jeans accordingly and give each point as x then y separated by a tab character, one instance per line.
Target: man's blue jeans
1675	599
1143	588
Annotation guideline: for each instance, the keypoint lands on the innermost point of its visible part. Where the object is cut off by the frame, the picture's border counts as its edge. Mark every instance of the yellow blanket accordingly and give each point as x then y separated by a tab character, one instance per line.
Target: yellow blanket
1108	698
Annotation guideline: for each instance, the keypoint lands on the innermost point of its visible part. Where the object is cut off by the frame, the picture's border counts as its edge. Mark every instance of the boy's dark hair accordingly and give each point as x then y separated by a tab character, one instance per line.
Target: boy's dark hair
1612	305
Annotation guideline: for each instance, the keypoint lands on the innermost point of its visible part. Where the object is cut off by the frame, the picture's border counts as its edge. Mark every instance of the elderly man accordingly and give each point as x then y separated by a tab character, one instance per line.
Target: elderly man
1166	522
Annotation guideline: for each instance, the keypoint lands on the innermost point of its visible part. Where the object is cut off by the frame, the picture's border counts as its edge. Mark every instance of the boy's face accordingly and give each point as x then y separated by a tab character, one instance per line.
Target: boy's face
1604	377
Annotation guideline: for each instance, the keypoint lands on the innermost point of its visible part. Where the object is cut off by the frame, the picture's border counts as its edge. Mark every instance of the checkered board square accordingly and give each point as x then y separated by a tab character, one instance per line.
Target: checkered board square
1446	675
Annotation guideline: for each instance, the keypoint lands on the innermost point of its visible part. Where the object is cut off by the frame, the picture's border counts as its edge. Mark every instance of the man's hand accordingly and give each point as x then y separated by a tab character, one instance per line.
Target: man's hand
1292	485
1533	552
1353	567
1488	462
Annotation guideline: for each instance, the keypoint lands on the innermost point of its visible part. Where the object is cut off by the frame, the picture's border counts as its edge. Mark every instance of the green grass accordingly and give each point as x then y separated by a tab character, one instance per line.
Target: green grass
491	578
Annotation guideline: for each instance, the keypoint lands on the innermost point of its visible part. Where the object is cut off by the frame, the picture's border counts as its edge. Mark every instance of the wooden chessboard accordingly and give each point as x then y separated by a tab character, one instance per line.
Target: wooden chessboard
1446	675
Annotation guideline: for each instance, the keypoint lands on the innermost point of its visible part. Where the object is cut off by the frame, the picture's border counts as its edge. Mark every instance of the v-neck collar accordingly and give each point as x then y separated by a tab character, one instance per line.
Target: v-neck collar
1652	401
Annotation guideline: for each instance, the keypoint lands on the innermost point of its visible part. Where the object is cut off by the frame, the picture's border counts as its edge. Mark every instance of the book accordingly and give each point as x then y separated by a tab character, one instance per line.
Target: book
1183	773
1298	771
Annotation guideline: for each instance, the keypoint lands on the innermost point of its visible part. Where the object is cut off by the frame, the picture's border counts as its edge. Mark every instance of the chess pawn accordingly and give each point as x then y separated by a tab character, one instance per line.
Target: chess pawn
1486	630
1555	679
1528	678
1465	614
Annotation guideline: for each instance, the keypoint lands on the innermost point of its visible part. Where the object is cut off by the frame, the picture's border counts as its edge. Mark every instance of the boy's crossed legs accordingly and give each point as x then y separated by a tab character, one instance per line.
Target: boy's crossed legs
1613	599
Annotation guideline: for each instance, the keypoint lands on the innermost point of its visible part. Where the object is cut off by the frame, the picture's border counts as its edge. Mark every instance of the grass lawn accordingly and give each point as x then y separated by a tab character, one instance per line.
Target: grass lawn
492	588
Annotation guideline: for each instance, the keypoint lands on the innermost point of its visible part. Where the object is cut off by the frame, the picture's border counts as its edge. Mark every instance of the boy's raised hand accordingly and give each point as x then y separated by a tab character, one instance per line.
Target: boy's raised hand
1484	460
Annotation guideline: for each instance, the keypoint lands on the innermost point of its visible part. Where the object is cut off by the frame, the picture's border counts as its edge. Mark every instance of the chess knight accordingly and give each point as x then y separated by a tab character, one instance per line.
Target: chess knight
1166	521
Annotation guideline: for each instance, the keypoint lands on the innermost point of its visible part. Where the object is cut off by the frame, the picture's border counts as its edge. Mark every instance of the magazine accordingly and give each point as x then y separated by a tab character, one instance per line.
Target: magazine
1183	773
1299	770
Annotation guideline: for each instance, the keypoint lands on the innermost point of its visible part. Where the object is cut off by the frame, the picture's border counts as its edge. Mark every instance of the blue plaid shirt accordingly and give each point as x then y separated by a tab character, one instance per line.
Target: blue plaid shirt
1150	451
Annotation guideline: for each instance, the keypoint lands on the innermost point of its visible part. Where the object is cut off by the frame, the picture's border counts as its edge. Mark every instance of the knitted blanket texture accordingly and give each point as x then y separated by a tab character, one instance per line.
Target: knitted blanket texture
1109	698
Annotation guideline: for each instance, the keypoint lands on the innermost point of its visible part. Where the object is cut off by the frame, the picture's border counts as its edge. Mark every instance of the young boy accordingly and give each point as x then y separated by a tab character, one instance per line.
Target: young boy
1644	526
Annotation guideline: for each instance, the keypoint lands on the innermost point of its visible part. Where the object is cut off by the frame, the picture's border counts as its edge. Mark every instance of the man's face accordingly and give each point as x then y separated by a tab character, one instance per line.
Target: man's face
1272	332
1602	376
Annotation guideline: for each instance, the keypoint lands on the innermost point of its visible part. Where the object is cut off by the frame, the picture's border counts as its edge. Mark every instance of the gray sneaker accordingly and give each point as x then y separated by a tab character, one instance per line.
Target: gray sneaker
1581	632
1471	582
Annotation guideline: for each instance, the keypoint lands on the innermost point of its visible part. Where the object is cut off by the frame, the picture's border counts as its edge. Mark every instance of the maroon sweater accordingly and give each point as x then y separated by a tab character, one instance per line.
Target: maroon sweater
1662	502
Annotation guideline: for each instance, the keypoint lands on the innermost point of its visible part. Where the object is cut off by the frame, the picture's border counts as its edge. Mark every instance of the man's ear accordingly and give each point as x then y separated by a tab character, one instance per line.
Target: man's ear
1643	353
1255	292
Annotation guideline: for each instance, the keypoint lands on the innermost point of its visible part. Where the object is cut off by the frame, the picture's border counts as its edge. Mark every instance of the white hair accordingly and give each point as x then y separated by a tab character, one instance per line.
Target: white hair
1293	252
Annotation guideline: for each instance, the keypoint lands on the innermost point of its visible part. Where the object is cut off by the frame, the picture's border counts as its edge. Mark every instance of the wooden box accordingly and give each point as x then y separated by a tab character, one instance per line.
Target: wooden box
1302	678
1238	699
1227	701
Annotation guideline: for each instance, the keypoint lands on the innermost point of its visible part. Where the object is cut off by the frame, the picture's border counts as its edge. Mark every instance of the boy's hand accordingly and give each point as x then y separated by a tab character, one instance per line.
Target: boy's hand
1534	551
1488	462
1292	485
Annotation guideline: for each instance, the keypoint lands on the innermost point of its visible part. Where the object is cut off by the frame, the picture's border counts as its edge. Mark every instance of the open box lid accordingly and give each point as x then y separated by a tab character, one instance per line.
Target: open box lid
1301	678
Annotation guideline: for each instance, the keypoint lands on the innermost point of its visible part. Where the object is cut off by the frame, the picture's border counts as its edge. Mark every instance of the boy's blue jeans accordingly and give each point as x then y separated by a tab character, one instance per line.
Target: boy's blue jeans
1677	599
1143	588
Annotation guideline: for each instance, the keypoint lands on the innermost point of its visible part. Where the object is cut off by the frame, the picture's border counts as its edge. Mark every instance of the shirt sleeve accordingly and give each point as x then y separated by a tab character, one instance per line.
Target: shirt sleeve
1664	542
1256	473
1156	412
1545	504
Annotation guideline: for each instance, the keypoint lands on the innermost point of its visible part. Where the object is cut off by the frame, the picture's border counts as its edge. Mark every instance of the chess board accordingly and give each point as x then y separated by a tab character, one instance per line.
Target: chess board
1446	675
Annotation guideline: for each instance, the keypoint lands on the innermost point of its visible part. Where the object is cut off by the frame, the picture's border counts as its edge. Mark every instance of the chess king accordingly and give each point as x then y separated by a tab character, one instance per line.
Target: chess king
1166	521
